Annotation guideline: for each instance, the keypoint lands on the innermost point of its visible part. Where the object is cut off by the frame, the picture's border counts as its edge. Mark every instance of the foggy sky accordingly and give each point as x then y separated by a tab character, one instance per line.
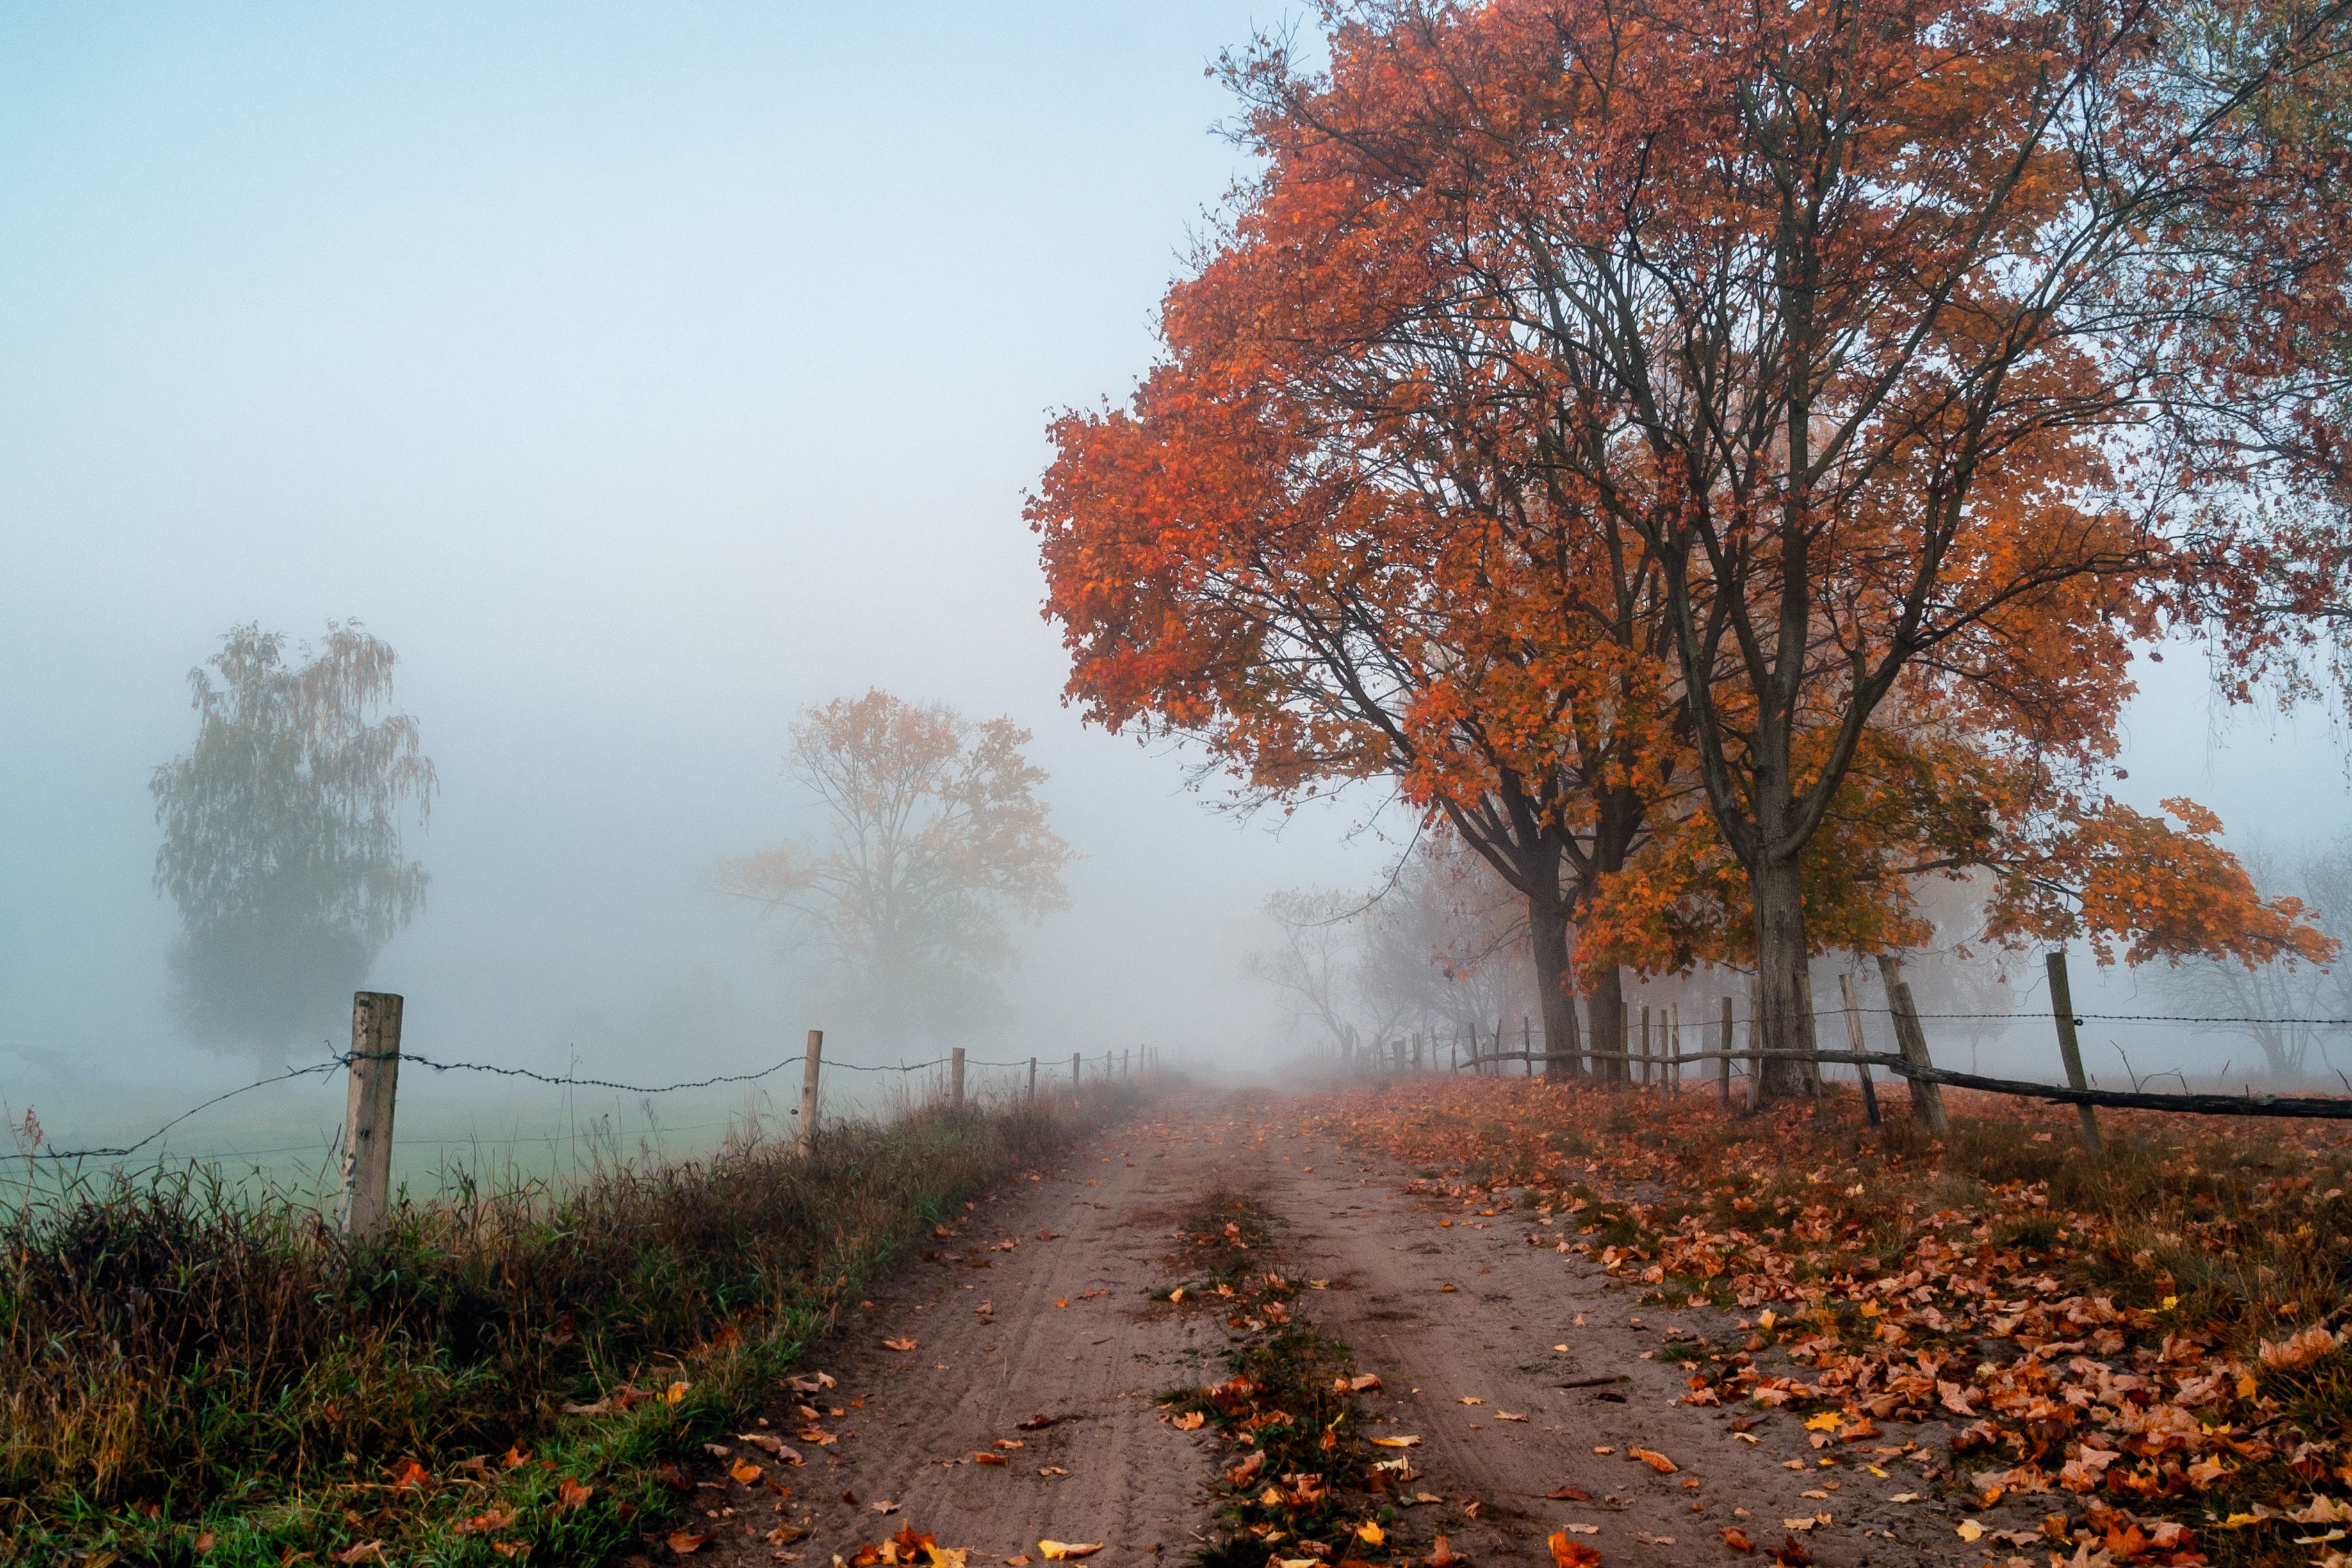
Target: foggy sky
641	374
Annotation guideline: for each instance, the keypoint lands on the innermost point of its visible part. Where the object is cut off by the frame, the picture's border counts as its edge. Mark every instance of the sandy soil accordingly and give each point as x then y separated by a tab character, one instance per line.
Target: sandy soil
1036	1306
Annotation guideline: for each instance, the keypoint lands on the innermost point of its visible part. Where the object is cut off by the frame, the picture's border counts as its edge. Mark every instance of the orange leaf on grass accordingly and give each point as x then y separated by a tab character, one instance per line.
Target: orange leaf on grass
570	1494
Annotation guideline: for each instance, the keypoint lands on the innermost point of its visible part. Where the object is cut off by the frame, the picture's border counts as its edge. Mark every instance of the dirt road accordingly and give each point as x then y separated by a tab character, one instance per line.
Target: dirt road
1037	1306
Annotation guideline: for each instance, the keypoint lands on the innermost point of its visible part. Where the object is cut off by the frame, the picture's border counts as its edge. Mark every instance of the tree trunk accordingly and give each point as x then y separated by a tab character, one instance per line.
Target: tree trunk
1547	934
1784	989
1604	1013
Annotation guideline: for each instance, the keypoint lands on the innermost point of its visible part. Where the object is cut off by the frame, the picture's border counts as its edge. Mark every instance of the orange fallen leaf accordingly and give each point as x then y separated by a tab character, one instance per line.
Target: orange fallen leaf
1737	1539
1442	1556
1396	1442
744	1472
1189	1422
900	1345
571	1494
1060	1551
511	1548
684	1541
1568	1553
984	1458
1654	1459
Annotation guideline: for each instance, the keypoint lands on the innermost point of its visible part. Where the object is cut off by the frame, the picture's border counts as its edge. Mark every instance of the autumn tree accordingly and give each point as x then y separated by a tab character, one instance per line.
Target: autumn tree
1934	361
938	840
1323	592
282	834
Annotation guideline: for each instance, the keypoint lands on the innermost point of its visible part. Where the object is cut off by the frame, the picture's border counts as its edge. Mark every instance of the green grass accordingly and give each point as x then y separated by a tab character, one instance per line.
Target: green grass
191	1374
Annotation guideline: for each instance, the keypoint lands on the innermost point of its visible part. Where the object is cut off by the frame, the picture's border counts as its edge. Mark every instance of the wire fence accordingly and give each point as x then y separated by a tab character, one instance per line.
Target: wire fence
33	1148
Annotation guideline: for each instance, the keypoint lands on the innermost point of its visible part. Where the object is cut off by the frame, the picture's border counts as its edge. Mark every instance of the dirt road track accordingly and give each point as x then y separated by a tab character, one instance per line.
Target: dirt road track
1037	1306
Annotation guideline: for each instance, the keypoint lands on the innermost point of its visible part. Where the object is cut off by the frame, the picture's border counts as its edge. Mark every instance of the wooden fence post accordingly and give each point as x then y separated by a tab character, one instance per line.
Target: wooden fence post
1075	1076
367	1121
811	1064
1926	1099
1755	1042
2062	1008
1645	1044
1853	1035
1723	1075
1674	1072
955	1076
1575	1043
1033	1078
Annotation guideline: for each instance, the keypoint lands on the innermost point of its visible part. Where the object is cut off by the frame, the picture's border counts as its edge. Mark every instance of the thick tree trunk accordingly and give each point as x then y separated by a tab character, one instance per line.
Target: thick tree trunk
1547	934
1784	985
1604	1013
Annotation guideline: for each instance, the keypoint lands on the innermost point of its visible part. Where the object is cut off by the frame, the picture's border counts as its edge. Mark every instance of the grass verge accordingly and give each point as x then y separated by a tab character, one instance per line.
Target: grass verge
1303	1488
187	1375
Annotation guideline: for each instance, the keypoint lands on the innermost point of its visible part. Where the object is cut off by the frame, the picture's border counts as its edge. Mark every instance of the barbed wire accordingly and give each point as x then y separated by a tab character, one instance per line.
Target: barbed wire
569	1080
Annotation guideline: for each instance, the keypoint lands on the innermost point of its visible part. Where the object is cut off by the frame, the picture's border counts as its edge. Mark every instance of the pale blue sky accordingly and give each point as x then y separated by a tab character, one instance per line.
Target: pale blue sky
641	373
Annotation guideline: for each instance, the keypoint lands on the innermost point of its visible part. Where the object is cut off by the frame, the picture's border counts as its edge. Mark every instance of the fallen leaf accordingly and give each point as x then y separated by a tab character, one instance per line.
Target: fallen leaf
1035	1424
1969	1529
900	1345
1567	1553
1654	1459
1507	1416
1737	1539
1190	1421
1370	1534
1052	1470
1569	1494
743	1472
570	1494
1059	1551
685	1542
1396	1442
985	1457
1442	1556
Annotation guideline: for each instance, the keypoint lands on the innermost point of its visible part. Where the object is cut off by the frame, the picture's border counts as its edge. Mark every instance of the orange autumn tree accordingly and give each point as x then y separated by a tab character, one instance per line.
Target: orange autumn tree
1937	355
1322	598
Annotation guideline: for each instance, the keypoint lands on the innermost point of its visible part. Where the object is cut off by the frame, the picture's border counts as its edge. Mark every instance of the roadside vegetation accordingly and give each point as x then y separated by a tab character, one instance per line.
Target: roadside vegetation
190	1374
1302	1483
2147	1351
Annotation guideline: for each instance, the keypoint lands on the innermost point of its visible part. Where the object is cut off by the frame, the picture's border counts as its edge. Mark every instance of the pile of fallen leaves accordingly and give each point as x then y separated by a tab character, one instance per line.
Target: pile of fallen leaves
2154	1340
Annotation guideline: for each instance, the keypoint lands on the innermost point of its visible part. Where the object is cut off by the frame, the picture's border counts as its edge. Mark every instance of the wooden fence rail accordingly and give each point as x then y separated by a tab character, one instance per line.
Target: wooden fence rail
2323	1107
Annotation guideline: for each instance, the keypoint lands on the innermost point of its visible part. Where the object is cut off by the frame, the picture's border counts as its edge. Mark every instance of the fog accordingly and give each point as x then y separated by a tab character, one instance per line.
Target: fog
641	377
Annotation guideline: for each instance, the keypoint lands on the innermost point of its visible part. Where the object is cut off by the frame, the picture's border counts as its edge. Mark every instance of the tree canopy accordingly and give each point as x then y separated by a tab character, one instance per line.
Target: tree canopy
1725	460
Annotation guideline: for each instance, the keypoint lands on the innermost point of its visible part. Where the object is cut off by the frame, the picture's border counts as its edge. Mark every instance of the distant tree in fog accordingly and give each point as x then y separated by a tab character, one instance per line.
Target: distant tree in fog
938	841
1441	951
282	834
1317	963
2272	994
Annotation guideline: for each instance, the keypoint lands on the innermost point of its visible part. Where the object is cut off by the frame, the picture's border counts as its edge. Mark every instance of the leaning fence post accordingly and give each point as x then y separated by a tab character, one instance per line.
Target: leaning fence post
367	1122
2070	1051
1853	1034
1723	1075
1926	1099
810	1066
